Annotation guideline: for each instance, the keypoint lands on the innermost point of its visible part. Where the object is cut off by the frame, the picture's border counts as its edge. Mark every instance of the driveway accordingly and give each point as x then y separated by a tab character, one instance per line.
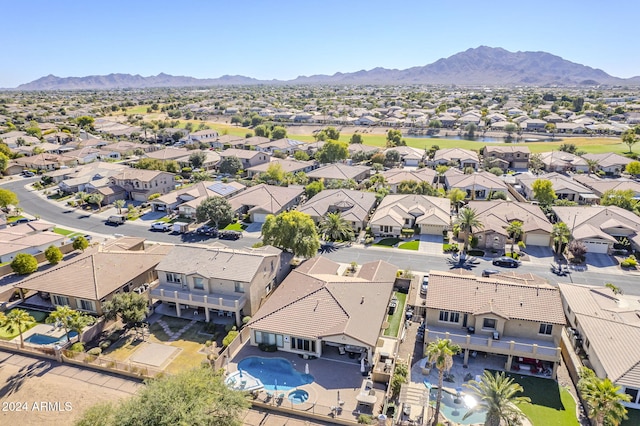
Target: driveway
540	254
430	244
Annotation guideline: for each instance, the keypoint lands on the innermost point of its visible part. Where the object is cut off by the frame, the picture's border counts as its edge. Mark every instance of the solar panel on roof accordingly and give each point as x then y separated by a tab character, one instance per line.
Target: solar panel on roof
221	188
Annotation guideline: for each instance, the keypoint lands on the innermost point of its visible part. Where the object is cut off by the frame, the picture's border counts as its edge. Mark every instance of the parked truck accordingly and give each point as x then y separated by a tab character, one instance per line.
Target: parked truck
182	227
116	219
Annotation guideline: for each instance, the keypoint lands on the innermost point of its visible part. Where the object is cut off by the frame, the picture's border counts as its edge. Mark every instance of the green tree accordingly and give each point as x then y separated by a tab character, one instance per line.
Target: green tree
53	254
441	353
620	198
130	307
543	192
496	171
301	156
457	196
278	132
510	129
561	235
262	130
79	321
603	397
392	157
197	159
24	264
215	209
629	138
333	151
274	174
394	138
8	198
62	315
4	162
633	168
313	188
230	165
119	204
293	231
196	397
497	397
18	319
332	133
515	231
336	228
80	243
96	198
470	130
466	221
85	122
593	165
356	138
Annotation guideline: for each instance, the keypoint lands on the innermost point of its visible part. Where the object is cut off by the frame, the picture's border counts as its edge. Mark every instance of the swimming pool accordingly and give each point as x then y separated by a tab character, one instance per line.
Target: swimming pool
274	372
43	339
454	408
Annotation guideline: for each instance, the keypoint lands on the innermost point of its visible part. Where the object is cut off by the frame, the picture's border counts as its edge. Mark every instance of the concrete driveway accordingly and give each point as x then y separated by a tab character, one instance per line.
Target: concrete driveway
540	254
430	244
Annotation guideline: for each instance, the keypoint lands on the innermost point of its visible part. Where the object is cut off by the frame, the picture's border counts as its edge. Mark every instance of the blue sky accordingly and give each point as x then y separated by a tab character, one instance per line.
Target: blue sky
284	39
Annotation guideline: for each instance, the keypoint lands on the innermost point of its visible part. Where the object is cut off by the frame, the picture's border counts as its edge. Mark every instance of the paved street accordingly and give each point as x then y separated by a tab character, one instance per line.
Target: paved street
415	261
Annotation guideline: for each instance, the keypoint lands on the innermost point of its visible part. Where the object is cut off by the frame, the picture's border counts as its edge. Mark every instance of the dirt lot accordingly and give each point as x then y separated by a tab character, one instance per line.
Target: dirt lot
36	392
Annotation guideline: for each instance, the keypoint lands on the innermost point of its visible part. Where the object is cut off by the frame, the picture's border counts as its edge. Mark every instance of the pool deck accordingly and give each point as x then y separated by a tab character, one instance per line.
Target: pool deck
334	380
46	329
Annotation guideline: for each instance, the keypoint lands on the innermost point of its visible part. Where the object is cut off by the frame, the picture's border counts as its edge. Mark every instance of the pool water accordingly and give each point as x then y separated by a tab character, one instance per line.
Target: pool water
298	396
274	373
454	408
43	339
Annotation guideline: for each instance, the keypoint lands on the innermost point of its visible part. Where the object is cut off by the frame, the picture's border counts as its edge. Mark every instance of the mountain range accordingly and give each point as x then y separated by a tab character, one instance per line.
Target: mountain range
491	66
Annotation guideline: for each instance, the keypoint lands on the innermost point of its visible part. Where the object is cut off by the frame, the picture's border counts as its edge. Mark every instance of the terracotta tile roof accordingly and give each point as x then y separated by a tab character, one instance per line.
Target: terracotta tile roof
338	171
354	206
471	294
497	214
267	197
394	208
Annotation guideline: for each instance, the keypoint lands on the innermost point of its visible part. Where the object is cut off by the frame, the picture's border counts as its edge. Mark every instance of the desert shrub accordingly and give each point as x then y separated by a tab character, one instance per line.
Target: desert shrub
77	347
450	248
94	351
629	262
229	338
104	344
365	419
368	240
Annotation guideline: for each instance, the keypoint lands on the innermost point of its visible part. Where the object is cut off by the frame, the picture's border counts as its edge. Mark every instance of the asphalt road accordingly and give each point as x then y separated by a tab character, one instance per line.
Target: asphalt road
56	213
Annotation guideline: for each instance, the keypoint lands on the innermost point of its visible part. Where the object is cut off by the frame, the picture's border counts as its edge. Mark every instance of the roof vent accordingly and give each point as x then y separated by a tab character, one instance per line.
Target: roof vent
362	300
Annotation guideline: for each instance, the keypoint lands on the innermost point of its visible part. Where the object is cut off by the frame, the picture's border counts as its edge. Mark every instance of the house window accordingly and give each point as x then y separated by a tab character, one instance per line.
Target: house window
198	283
633	393
545	329
303	344
173	278
238	287
60	300
269	338
87	305
489	323
446	316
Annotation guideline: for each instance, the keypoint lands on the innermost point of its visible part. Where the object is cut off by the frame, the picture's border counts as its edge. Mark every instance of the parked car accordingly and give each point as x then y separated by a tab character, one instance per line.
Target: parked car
210	231
229	235
27	173
160	226
424	285
116	219
19	221
489	272
507	262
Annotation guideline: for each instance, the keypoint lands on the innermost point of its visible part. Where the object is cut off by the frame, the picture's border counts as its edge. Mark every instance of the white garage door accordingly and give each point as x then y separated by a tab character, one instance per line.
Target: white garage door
596	246
259	217
537	240
431	229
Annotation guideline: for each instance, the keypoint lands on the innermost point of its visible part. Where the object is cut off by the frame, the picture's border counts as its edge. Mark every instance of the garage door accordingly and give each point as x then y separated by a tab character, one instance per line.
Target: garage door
596	246
431	229
259	217
537	240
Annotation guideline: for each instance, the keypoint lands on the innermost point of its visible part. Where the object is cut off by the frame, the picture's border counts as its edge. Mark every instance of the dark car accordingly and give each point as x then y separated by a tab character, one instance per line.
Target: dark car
489	272
210	231
507	262
19	221
229	235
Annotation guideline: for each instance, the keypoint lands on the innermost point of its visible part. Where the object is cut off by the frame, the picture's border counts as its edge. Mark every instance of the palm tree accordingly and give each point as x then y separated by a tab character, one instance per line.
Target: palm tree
497	394
515	231
603	398
334	227
18	318
441	353
456	195
119	204
561	235
593	166
467	220
62	315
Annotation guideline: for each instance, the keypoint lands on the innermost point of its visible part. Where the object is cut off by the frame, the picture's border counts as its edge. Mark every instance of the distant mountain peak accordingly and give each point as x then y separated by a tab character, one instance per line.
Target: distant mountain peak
482	65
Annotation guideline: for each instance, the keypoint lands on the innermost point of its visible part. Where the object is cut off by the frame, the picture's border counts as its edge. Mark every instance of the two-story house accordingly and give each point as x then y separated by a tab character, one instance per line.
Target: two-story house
140	184
511	317
246	157
506	157
217	280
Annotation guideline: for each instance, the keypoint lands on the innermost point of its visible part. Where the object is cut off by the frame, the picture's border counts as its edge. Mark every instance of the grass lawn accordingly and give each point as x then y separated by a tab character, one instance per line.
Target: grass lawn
410	245
551	405
7	334
398	316
238	226
634	418
387	242
62	231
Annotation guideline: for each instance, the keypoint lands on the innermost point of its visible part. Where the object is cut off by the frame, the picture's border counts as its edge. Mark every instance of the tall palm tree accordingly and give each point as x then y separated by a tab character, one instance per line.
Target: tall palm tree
467	220
456	195
561	235
62	315
593	166
441	353
515	232
497	394
18	319
603	398
119	204
335	228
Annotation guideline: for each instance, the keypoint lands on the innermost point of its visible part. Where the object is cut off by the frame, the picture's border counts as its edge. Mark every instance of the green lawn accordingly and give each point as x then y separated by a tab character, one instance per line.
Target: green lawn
39	316
398	316
62	231
634	418
410	245
551	405
387	242
238	226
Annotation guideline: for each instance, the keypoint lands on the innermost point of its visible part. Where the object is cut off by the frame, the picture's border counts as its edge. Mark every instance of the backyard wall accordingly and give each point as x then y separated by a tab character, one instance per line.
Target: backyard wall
230	351
40	257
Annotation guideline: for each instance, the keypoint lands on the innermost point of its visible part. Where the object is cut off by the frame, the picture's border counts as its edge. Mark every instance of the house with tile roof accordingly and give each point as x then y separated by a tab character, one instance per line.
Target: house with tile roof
140	184
315	309
564	187
611	164
218	280
288	166
478	186
463	158
600	227
394	176
606	327
87	281
496	215
32	238
409	156
354	206
506	156
430	215
262	200
600	185
247	158
521	322
560	161
340	172
193	195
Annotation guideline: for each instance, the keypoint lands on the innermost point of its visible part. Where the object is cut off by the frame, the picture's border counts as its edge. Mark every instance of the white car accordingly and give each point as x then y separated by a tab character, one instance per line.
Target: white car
160	226
425	284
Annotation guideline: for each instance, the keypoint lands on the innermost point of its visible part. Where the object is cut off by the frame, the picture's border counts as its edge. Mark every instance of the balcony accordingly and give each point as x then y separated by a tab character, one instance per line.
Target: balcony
506	345
218	301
